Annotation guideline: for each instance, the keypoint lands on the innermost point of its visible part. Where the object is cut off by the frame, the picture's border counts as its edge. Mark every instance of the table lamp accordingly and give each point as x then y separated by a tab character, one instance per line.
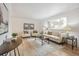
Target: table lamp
67	30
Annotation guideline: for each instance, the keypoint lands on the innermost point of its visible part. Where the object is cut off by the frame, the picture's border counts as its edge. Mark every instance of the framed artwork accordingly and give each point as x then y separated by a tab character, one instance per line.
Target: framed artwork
31	26
28	26
3	18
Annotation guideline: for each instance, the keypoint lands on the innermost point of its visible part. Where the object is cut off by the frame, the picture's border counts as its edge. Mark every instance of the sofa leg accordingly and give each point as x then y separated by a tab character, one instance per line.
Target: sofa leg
48	41
42	42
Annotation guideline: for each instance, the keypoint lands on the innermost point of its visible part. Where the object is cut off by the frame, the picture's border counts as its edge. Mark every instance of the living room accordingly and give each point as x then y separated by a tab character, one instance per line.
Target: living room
69	16
46	29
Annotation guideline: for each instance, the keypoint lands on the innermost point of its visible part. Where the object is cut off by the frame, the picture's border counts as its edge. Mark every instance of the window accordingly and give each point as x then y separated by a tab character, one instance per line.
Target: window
56	24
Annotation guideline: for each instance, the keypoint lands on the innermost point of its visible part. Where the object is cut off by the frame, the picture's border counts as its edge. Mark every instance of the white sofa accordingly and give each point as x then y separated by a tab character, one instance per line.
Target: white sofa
55	36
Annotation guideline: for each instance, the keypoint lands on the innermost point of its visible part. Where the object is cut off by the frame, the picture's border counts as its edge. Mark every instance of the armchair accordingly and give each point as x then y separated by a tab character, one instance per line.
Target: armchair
35	33
26	34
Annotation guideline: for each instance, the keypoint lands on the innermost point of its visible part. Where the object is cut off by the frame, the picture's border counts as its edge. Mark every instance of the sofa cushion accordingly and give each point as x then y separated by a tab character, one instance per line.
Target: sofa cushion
35	31
56	34
49	33
53	38
26	32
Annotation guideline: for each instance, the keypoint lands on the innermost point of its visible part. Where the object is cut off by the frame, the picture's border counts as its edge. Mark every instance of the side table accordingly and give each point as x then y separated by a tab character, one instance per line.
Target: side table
73	39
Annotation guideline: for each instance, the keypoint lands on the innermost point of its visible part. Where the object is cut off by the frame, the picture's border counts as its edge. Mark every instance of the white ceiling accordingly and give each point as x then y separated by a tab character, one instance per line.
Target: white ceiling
40	10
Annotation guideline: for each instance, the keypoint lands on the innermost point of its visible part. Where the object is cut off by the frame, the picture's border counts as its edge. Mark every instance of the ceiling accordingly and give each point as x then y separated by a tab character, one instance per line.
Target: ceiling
40	10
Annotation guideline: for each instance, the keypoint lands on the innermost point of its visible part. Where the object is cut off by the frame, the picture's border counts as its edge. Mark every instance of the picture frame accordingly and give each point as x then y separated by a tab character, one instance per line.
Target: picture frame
3	19
31	26
28	26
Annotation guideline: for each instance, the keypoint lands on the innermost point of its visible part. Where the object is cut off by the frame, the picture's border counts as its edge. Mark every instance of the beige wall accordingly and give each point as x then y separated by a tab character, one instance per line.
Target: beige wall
17	24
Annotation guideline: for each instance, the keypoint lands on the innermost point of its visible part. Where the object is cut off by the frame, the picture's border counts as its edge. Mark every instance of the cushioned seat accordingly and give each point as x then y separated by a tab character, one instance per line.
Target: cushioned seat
26	34
35	33
54	36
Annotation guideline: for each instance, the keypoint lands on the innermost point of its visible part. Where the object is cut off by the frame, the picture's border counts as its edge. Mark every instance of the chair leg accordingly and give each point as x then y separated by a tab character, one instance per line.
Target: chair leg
42	41
14	52
18	51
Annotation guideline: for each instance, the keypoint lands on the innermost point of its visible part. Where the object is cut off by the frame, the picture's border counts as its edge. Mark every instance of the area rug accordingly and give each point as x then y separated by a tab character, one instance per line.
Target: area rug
45	49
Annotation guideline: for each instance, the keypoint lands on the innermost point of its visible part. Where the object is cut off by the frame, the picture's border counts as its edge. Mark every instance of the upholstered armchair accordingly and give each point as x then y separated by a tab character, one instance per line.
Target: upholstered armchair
35	33
26	34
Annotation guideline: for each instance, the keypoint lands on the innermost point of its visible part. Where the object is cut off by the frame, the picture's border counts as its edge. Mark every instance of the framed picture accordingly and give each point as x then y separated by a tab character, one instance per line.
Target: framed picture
31	26
28	26
3	18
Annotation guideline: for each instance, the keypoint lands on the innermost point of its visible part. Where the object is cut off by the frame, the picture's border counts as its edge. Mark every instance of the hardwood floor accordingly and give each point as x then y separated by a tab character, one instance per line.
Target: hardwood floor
32	47
65	52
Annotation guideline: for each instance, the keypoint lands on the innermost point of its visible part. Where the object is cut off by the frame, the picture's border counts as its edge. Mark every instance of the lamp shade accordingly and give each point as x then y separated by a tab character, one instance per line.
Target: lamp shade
67	28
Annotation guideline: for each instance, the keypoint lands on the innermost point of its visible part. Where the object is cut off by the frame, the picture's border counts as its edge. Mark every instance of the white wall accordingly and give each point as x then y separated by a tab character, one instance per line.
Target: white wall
17	24
72	18
10	24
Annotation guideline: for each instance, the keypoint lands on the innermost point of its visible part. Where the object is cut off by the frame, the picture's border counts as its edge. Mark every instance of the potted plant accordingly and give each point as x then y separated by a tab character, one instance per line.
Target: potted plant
14	36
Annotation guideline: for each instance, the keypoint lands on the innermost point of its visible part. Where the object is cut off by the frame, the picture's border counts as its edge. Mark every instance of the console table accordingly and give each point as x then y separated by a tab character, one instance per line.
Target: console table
6	47
73	39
